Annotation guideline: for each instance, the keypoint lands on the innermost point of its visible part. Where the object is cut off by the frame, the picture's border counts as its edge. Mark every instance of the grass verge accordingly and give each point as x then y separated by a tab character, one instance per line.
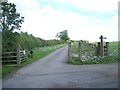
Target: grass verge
103	60
38	54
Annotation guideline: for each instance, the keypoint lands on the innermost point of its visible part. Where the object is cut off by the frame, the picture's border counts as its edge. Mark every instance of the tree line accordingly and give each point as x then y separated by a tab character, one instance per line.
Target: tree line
28	41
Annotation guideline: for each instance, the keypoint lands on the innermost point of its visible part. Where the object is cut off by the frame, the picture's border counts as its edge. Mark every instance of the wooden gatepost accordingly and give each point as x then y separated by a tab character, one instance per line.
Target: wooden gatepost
106	49
98	49
18	56
21	55
69	51
79	50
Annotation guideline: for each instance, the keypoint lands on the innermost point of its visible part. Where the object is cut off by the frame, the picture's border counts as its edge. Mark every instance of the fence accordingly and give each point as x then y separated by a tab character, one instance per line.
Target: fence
14	58
81	50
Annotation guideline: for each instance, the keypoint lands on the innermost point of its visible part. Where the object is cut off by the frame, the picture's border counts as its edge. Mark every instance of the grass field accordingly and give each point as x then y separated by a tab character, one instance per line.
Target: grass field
113	48
38	54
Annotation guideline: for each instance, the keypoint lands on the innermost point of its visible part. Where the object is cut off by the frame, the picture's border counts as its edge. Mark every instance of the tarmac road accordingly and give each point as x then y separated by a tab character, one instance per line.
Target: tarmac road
52	71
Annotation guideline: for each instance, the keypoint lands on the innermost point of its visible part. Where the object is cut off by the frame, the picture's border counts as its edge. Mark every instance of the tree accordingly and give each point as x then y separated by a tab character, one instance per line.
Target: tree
10	20
63	35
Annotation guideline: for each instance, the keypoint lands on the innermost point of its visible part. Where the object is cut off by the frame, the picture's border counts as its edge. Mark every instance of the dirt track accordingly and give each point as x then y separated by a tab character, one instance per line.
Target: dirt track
52	71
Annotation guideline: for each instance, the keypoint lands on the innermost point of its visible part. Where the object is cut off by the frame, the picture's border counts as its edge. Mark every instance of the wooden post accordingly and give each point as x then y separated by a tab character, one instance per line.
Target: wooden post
105	50
69	51
101	46
79	50
94	49
26	53
107	47
98	49
18	55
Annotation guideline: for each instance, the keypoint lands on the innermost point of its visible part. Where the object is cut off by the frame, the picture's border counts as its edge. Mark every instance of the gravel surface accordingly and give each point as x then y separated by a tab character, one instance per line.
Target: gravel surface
52	71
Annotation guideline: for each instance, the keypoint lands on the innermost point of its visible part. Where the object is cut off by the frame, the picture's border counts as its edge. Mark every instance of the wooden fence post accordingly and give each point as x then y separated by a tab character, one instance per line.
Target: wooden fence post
98	49
94	49
69	51
107	47
79	50
18	55
101	46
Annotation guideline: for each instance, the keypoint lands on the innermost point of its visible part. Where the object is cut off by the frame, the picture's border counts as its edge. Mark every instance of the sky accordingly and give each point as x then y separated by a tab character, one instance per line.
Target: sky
84	19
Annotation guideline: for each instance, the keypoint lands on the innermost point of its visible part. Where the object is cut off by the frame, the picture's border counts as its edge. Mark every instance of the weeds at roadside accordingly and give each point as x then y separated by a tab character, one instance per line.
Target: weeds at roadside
99	60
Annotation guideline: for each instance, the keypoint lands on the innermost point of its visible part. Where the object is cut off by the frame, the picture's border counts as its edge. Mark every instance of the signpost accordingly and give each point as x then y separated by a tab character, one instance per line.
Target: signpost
101	45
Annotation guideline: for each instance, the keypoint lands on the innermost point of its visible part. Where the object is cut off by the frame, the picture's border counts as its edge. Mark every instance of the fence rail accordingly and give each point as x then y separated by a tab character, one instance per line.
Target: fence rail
79	50
14	58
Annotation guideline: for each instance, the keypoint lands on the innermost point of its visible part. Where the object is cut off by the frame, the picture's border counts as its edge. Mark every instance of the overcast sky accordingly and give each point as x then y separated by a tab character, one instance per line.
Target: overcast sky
84	19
